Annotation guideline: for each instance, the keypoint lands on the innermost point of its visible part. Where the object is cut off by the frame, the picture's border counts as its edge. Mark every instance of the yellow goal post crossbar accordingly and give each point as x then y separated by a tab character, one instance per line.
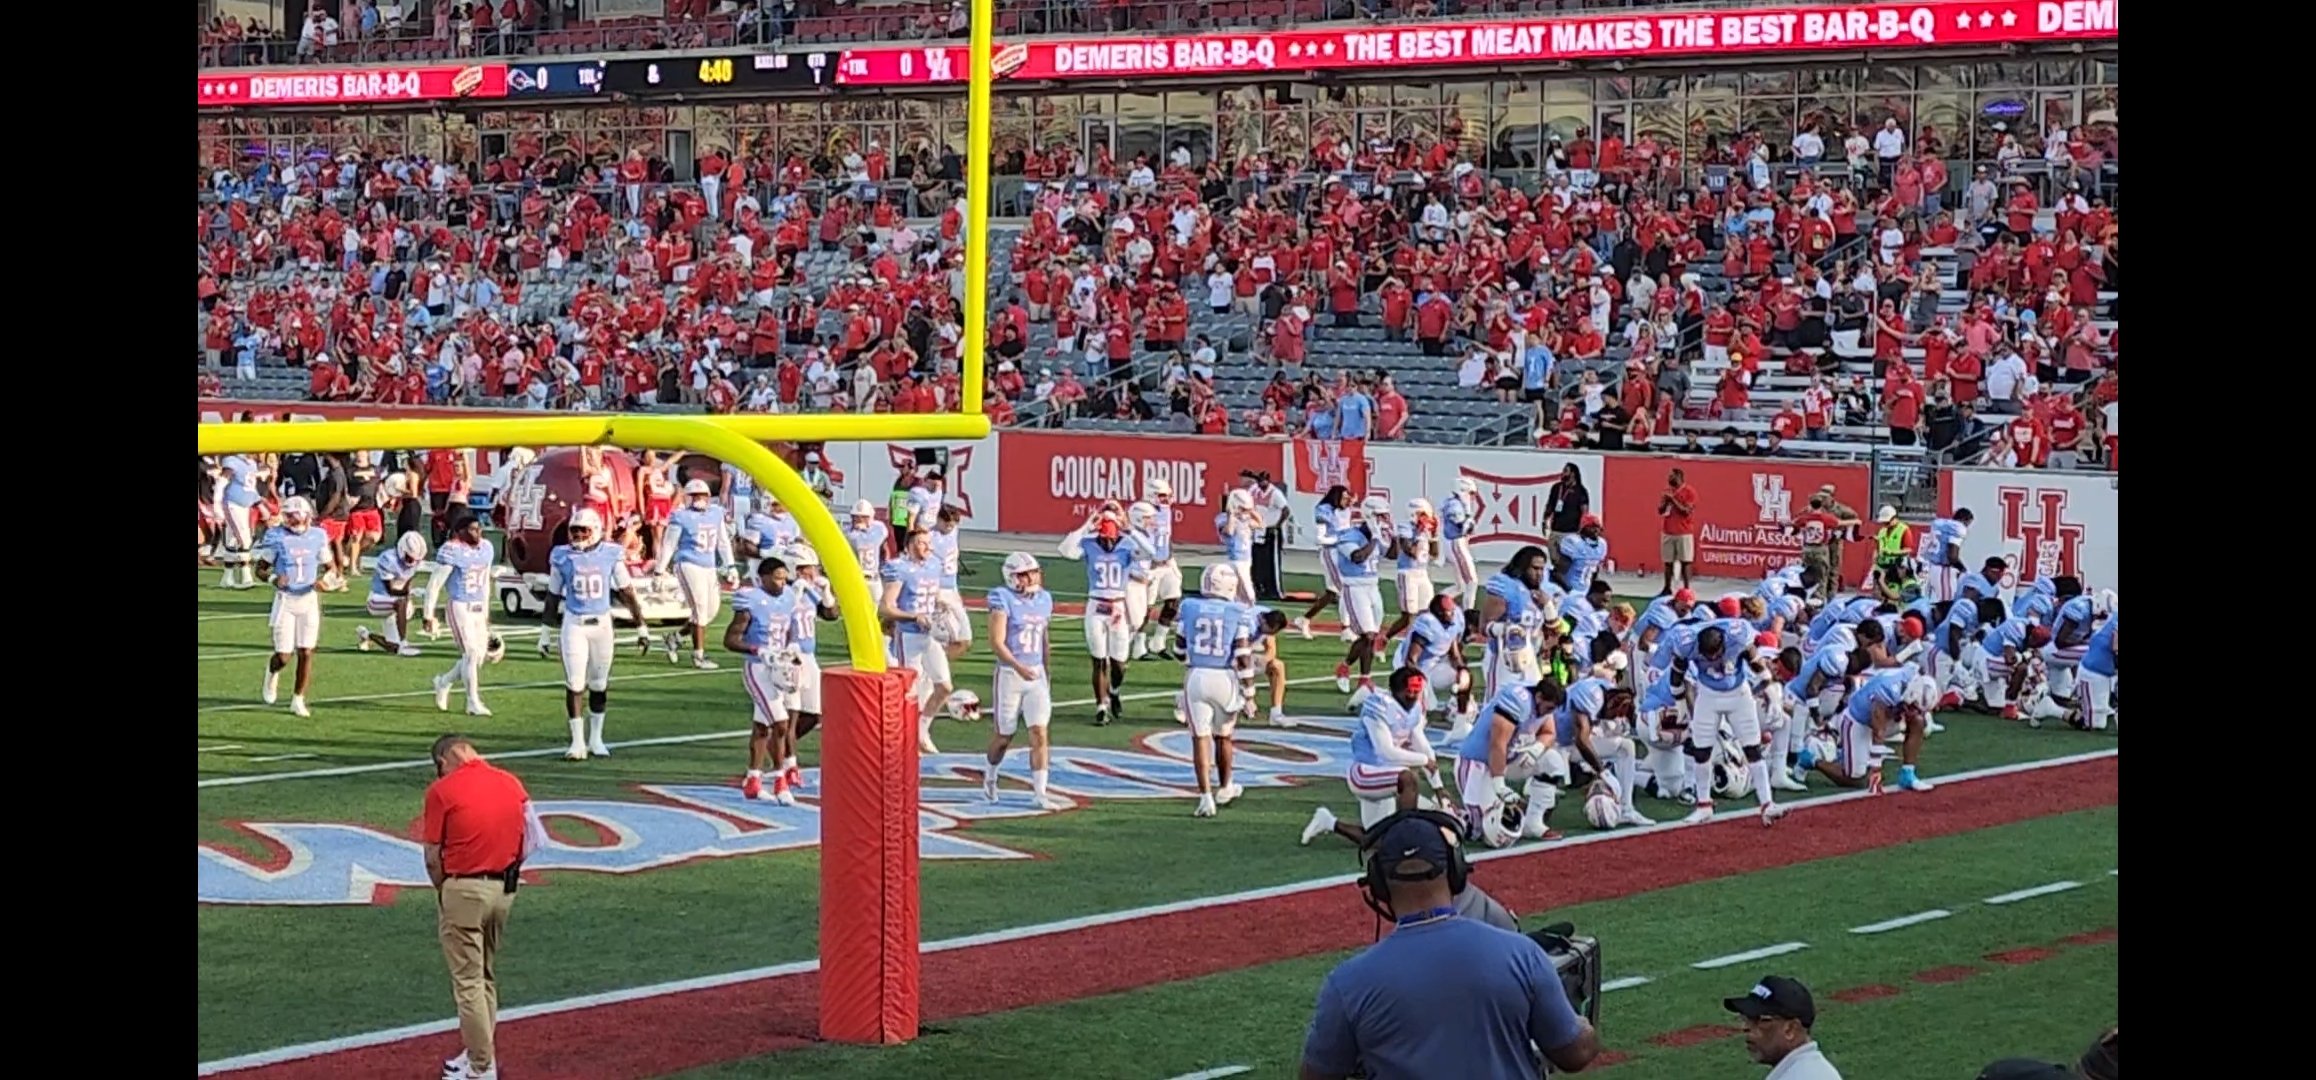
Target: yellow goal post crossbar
735	440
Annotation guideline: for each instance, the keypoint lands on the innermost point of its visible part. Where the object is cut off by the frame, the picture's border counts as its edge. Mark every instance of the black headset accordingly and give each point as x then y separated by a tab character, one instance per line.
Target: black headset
1376	882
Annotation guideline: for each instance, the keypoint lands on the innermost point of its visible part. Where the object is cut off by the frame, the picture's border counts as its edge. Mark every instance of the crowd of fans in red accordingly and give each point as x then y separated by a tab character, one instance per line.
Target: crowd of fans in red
403	280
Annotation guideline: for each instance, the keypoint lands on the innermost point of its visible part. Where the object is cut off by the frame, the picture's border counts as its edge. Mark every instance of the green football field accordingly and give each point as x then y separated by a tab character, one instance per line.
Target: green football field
311	938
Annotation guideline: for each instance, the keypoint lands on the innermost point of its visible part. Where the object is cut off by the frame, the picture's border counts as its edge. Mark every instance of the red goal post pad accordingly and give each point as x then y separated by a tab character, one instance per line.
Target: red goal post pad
868	857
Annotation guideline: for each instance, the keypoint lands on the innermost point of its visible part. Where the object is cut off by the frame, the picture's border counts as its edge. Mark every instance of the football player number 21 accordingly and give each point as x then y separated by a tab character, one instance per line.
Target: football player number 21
1206	638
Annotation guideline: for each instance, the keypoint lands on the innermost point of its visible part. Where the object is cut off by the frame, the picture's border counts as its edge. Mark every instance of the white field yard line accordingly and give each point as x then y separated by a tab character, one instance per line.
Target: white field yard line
1902	922
551	751
1750	955
345	1043
1216	1073
2029	894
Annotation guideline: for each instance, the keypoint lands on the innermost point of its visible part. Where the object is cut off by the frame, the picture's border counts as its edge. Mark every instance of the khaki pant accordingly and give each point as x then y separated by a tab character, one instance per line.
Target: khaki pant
472	916
1828	565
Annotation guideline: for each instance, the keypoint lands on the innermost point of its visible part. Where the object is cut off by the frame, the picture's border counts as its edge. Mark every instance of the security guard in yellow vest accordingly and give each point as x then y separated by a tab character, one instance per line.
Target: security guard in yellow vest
1893	540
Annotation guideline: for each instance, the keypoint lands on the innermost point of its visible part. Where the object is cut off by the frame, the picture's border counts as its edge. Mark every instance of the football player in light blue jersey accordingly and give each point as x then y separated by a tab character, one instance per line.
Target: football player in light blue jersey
1579	556
2040	601
2072	620
1781	615
390	580
1985	583
1166	574
867	536
1894	698
816	604
1662	614
2015	684
1792	579
1415	546
699	546
769	531
2096	675
466	562
740	501
1326	521
1718	658
1661	722
1587	614
1459	518
1940	554
1363	539
583	577
1512	743
1236	528
1217	680
1433	647
1956	660
1595	720
911	609
1512	618
1390	759
1020	629
1141	524
948	550
294	557
1111	554
765	614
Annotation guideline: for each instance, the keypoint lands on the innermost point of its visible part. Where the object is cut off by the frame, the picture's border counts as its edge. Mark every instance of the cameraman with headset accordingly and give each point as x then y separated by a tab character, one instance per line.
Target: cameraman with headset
1386	1014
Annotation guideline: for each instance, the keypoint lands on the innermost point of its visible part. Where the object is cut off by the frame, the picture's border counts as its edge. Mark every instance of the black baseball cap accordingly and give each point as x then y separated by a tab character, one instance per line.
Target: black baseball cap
1411	840
1775	997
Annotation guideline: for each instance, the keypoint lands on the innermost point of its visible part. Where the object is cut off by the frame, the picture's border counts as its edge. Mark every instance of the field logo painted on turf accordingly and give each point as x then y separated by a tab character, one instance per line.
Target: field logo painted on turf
335	864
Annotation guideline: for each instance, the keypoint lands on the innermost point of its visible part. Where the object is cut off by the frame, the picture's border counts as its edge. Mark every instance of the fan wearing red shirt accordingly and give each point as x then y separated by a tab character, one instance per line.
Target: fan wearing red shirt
1902	400
2065	423
1677	544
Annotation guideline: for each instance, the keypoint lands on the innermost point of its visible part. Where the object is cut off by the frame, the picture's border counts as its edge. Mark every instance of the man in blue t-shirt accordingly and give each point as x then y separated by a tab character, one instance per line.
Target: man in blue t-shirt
1501	1019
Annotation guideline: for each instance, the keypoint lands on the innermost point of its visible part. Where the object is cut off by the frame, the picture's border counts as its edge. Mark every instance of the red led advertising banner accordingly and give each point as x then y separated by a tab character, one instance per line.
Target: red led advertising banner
1544	39
350	86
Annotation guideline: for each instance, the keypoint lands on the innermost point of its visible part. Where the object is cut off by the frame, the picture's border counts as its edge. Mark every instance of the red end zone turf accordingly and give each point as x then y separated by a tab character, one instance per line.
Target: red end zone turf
665	1033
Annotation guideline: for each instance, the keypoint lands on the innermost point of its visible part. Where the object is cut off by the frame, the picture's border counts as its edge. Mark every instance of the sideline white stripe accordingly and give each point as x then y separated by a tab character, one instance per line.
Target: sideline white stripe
1216	1073
216	616
2039	890
344	1043
249	654
1750	955
282	757
216	749
1902	922
554	751
259	706
1626	983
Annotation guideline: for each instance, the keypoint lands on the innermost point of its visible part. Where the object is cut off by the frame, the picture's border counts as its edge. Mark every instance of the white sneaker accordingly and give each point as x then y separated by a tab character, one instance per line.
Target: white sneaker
1782	780
1228	795
578	752
1140	648
1703	812
477	708
1931	727
1205	807
596	748
673	649
925	746
784	797
1322	822
1279	717
407	649
1771	812
700	661
362	638
271	692
1053	802
546	645
989	785
455	1068
442	693
1630	816
298	705
1302	625
1349	635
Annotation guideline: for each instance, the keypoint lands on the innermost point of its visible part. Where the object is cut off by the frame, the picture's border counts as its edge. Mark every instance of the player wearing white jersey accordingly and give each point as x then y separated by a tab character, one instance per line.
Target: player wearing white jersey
1020	625
948	548
866	536
293	557
1217	638
390	580
698	543
1166	573
1415	548
1940	554
1459	518
1326	521
583	578
464	563
1141	520
247	483
1236	529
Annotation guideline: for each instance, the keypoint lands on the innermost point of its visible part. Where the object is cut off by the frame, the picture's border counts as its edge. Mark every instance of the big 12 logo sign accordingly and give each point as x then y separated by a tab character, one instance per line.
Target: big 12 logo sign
1512	509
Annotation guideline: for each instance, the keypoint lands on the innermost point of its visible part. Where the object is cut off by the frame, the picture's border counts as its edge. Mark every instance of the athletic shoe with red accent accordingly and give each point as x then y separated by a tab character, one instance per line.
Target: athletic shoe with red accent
1550	834
752	787
2010	712
1770	812
1874	782
1951	700
1343	677
780	792
793	777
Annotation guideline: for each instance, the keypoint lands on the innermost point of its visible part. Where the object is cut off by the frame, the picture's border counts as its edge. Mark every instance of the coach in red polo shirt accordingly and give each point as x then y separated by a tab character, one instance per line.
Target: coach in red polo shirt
477	827
1678	508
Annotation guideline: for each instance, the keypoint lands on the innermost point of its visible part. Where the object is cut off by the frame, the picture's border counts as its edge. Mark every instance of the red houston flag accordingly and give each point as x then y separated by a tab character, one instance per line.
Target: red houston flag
1323	463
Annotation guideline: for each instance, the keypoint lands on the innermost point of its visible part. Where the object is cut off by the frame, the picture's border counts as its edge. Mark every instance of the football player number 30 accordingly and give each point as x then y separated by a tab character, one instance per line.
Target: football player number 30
1109	575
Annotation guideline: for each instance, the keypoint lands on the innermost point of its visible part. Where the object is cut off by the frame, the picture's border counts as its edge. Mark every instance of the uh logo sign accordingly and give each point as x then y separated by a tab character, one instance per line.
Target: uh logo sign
2036	520
327	863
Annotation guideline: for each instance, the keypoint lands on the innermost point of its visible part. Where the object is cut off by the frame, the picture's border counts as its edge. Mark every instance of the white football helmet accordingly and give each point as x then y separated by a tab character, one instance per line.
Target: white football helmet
1219	581
864	509
1420	507
801	555
696	487
1922	693
1238	499
1465	485
1017	564
1730	776
1601	810
1158	488
589	521
2103	602
497	650
963	705
1141	515
1375	506
412	547
297	510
